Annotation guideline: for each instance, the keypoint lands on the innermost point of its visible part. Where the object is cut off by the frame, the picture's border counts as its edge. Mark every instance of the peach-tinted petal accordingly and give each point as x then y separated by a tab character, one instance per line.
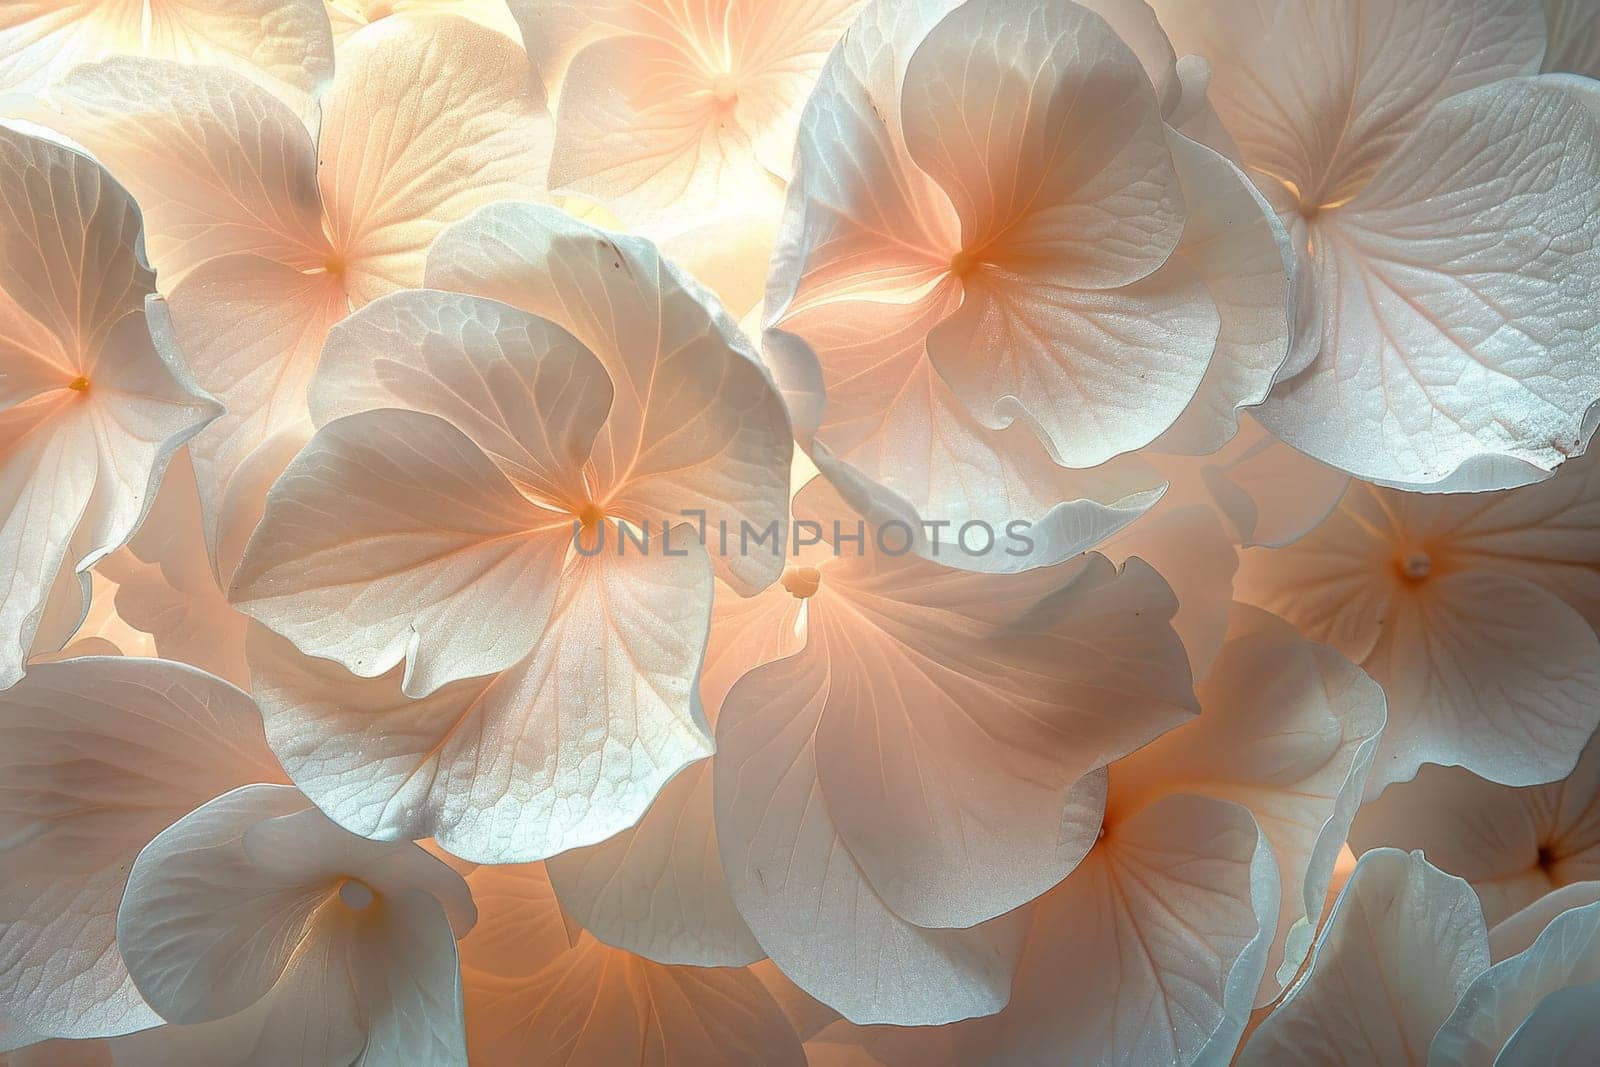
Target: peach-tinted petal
166	588
428	119
642	129
251	329
335	947
1513	844
1488	672
287	40
1455	342
1320	93
1287	729
1403	943
1150	952
807	901
1192	552
695	424
348	16
219	166
1517	932
658	889
563	749
1272	495
961	711
580	1003
1482	668
1234	241
1574	27
1040	126
94	415
392	538
98	756
1056	161
526	391
1494	1006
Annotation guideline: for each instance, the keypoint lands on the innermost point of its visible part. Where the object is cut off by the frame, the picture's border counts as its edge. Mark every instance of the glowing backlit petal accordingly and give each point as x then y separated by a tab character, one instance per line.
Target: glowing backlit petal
256	914
98	756
1403	943
577	1002
1482	667
1287	729
100	400
287	40
695	424
1566	954
428	119
460	544
1513	844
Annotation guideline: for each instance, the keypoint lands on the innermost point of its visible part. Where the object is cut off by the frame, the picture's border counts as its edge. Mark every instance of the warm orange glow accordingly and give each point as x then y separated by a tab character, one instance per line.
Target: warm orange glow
802	582
79	384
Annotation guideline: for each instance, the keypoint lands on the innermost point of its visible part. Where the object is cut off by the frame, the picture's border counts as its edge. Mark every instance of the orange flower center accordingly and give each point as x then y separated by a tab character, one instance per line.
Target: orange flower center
1415	565
801	582
725	89
79	384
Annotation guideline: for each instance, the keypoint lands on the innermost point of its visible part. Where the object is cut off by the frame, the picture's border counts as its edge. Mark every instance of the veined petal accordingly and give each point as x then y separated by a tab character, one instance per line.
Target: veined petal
1151	950
1287	729
961	712
1574	28
98	756
393	537
1496	1004
242	178
695	425
584	1004
80	456
808	903
1320	93
1517	932
1236	243
563	749
1043	130
332	943
1457	318
251	329
348	16
522	388
1403	943
1513	844
289	40
429	119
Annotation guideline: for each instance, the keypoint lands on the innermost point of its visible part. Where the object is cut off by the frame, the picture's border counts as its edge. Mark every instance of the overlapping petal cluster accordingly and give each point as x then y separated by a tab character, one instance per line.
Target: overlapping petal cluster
834	532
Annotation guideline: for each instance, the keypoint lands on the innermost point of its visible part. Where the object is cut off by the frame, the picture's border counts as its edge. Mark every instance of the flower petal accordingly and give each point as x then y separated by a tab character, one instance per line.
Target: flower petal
244	182
1456	345
1487	672
1319	93
806	900
1287	729
1150	952
428	119
962	711
99	755
1566	954
262	881
393	537
1517	932
1235	242
251	330
1574	27
588	1005
696	424
1513	844
522	388
563	749
288	40
1404	941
